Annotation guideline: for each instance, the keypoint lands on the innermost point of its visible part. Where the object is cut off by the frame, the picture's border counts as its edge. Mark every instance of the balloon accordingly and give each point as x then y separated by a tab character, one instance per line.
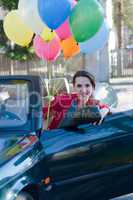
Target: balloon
54	12
38	45
28	11
70	47
85	19
47	50
97	41
64	30
47	34
16	30
73	3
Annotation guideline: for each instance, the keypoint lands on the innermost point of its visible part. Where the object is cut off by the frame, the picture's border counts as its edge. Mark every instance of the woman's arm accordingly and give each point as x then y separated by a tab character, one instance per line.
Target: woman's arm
104	111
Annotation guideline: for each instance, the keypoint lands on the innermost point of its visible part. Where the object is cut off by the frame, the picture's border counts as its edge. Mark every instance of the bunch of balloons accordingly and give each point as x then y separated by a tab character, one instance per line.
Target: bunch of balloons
66	25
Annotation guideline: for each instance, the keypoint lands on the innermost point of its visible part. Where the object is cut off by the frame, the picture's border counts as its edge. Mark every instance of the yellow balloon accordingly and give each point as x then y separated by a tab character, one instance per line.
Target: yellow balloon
47	34
16	30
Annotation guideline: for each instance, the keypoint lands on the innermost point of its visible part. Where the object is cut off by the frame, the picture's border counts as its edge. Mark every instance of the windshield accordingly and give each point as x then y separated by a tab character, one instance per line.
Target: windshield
14	103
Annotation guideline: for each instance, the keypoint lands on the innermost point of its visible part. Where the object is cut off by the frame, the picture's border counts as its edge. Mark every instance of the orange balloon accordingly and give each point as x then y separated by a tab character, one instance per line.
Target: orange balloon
70	47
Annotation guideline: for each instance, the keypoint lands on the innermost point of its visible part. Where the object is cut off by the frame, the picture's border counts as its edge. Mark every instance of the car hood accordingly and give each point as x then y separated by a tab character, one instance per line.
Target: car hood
12	146
16	156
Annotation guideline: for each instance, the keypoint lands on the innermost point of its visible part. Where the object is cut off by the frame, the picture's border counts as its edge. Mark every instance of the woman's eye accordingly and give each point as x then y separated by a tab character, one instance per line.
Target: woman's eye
87	85
79	85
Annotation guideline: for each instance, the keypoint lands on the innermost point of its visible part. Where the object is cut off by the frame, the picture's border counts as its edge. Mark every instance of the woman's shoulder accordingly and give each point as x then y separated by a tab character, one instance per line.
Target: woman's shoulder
95	102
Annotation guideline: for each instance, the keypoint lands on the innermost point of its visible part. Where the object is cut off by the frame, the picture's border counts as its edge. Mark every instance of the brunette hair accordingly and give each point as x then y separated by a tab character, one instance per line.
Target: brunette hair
86	74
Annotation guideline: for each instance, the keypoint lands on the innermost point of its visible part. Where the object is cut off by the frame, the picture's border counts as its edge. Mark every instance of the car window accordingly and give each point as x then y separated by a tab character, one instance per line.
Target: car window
14	103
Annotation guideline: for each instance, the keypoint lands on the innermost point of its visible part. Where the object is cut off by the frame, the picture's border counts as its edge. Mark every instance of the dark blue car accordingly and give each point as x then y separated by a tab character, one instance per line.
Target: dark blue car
86	162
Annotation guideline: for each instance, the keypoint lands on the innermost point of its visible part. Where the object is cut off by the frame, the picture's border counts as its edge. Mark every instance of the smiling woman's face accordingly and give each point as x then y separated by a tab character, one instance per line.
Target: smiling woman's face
83	87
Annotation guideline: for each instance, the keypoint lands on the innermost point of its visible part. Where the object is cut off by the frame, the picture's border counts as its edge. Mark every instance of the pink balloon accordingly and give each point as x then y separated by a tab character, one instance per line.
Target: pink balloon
47	50
37	44
64	30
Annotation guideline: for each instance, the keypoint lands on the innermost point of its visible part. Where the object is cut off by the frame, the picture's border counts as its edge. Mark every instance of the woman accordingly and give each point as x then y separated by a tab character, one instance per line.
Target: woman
84	86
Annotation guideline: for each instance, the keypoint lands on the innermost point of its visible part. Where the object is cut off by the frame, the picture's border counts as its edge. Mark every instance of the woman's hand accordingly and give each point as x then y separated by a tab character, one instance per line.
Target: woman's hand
103	112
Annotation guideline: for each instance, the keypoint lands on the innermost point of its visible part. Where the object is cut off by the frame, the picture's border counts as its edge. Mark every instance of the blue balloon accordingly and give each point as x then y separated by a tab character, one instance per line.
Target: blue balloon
54	12
97	42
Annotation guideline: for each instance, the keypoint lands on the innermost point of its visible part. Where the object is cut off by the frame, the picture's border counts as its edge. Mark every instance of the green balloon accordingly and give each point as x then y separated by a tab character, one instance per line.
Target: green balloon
86	19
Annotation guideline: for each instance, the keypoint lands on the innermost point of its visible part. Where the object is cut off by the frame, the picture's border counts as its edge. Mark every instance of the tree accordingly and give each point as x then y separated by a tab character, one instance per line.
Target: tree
128	13
122	15
9	4
118	20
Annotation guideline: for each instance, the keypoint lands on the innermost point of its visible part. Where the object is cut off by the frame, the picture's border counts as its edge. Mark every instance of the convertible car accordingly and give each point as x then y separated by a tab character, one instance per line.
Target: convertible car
82	162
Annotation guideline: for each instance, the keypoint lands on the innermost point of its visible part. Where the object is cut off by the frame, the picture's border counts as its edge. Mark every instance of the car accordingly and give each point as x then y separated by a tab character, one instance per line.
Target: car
106	94
85	162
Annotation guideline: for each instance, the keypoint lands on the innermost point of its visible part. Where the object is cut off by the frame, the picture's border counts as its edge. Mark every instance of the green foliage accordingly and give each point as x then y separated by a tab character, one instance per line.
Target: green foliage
16	53
20	54
9	4
3	38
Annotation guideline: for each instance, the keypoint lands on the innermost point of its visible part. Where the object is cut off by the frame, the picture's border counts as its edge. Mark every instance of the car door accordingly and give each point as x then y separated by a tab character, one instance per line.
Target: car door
87	162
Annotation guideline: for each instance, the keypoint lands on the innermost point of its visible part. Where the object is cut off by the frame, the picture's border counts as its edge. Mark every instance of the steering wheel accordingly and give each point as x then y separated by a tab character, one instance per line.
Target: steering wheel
8	115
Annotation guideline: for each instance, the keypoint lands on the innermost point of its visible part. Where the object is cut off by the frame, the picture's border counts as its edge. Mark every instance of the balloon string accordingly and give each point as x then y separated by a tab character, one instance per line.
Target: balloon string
49	99
48	113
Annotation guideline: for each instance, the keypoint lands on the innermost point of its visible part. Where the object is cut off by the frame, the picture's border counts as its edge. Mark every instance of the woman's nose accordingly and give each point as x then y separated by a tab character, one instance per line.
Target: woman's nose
84	89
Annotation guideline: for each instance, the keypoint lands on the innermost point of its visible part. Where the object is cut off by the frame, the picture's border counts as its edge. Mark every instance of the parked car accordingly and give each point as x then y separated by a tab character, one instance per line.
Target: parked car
106	94
88	162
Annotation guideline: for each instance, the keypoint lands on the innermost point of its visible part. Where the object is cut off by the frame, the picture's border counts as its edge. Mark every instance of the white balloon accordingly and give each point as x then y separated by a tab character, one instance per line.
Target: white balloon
97	42
28	11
